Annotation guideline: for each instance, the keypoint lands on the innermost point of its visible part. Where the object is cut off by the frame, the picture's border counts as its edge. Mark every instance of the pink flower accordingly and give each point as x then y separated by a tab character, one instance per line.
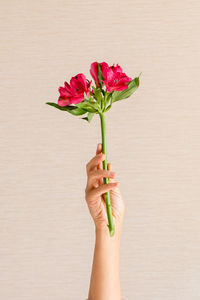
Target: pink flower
94	70
115	79
74	92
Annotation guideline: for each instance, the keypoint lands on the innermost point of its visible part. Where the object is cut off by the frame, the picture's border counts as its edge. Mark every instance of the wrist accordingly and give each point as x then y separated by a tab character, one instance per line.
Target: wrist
102	233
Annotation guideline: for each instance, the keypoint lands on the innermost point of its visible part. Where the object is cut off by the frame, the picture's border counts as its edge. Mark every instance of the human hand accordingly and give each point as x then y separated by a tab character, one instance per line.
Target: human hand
95	190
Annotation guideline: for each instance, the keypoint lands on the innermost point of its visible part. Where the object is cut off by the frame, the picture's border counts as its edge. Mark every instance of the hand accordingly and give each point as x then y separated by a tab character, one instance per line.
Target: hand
95	189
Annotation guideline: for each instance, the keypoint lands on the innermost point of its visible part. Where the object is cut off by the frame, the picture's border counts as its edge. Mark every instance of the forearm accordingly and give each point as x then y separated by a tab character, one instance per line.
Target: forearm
105	276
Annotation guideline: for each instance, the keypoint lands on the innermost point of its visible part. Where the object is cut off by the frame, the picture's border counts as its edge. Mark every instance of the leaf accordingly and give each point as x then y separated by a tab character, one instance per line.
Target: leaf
89	117
98	95
100	75
85	96
90	106
108	99
107	108
132	86
76	111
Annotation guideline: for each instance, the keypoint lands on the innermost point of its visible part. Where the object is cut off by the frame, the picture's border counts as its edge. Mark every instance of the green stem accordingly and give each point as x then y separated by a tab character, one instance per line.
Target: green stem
106	180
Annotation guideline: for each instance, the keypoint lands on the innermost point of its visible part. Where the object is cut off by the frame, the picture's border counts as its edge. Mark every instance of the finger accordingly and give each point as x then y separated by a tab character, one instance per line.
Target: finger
98	148
103	189
100	165
98	174
95	161
109	167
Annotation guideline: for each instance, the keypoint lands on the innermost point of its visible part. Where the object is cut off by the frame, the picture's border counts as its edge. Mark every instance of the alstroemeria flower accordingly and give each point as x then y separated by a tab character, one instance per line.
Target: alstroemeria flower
73	93
94	70
115	79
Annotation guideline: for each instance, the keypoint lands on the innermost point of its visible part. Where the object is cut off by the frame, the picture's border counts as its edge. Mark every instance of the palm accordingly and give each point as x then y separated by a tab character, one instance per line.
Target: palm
116	203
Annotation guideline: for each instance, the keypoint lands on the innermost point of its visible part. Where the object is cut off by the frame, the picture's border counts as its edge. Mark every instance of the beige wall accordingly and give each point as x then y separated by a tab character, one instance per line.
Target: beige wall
46	232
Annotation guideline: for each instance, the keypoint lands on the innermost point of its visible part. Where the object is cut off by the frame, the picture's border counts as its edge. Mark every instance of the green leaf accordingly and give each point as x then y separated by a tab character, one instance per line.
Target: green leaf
100	75
85	96
98	95
108	99
89	105
107	108
109	102
132	86
89	117
76	111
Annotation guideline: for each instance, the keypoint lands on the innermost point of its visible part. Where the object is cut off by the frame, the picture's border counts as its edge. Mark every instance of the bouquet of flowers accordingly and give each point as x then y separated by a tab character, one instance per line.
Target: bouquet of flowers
79	98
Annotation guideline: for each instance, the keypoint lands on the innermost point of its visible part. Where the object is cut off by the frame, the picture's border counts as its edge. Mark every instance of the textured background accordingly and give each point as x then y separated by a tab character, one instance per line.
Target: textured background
46	232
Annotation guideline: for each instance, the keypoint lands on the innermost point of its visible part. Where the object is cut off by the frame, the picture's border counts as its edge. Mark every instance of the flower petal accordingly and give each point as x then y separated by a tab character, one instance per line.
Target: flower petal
94	72
63	102
64	93
77	98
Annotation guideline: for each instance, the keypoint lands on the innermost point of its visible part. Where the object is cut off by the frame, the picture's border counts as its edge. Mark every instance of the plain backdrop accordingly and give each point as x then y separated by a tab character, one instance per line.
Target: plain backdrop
46	233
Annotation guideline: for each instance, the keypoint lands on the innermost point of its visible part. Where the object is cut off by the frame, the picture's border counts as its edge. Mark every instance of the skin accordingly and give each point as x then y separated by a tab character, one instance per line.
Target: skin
105	275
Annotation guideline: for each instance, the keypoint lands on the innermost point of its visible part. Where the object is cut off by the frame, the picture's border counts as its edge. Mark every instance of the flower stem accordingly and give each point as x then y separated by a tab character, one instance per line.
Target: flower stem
106	180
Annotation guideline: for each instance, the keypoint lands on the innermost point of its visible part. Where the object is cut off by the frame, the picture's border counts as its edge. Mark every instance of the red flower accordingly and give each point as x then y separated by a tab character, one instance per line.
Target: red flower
94	70
73	93
115	79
